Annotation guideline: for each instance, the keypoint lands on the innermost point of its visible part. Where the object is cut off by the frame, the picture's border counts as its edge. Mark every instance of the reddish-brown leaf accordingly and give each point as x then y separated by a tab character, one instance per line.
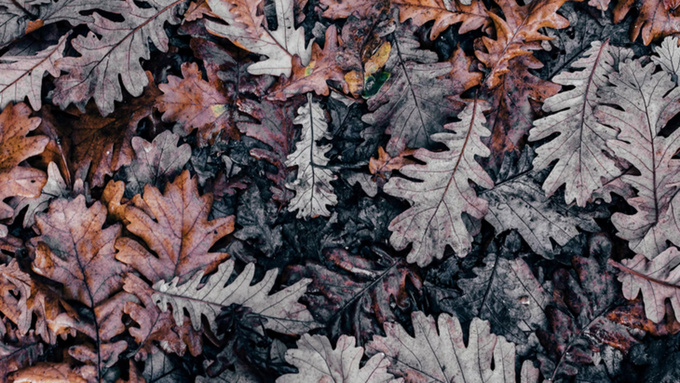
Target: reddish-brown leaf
199	104
47	372
23	298
517	35
101	145
444	13
656	19
156	328
515	104
177	231
74	250
15	147
275	129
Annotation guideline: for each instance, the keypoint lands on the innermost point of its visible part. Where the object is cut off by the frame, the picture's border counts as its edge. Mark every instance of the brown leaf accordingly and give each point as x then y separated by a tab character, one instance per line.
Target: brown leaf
20	354
199	104
654	21
176	230
74	249
342	9
103	143
514	105
23	298
15	147
45	372
156	328
276	129
444	13
517	35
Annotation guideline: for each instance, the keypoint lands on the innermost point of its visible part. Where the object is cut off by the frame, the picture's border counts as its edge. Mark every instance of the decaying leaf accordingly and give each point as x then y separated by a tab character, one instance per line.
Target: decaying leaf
417	99
198	104
517	34
649	100
176	229
281	310
15	147
658	280
22	76
245	29
155	161
275	129
583	161
579	320
443	191
156	329
507	294
317	361
111	53
437	353
668	56
74	250
520	204
655	19
471	14
312	186
53	373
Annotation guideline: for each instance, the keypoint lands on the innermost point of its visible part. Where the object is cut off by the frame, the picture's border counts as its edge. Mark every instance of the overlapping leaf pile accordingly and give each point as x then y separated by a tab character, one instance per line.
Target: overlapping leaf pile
339	191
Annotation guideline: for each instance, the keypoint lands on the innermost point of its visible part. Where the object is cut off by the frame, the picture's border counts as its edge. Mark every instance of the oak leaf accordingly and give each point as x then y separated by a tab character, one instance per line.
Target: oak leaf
23	299
517	35
17	355
655	19
668	56
199	104
317	361
176	230
22	75
515	103
245	29
583	299
471	14
75	250
281	310
325	65
442	192
437	353
155	161
47	372
101	145
507	294
417	99
19	18
582	158
115	56
312	186
359	293
520	204
364	9
15	147
156	329
658	280
649	100
55	187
